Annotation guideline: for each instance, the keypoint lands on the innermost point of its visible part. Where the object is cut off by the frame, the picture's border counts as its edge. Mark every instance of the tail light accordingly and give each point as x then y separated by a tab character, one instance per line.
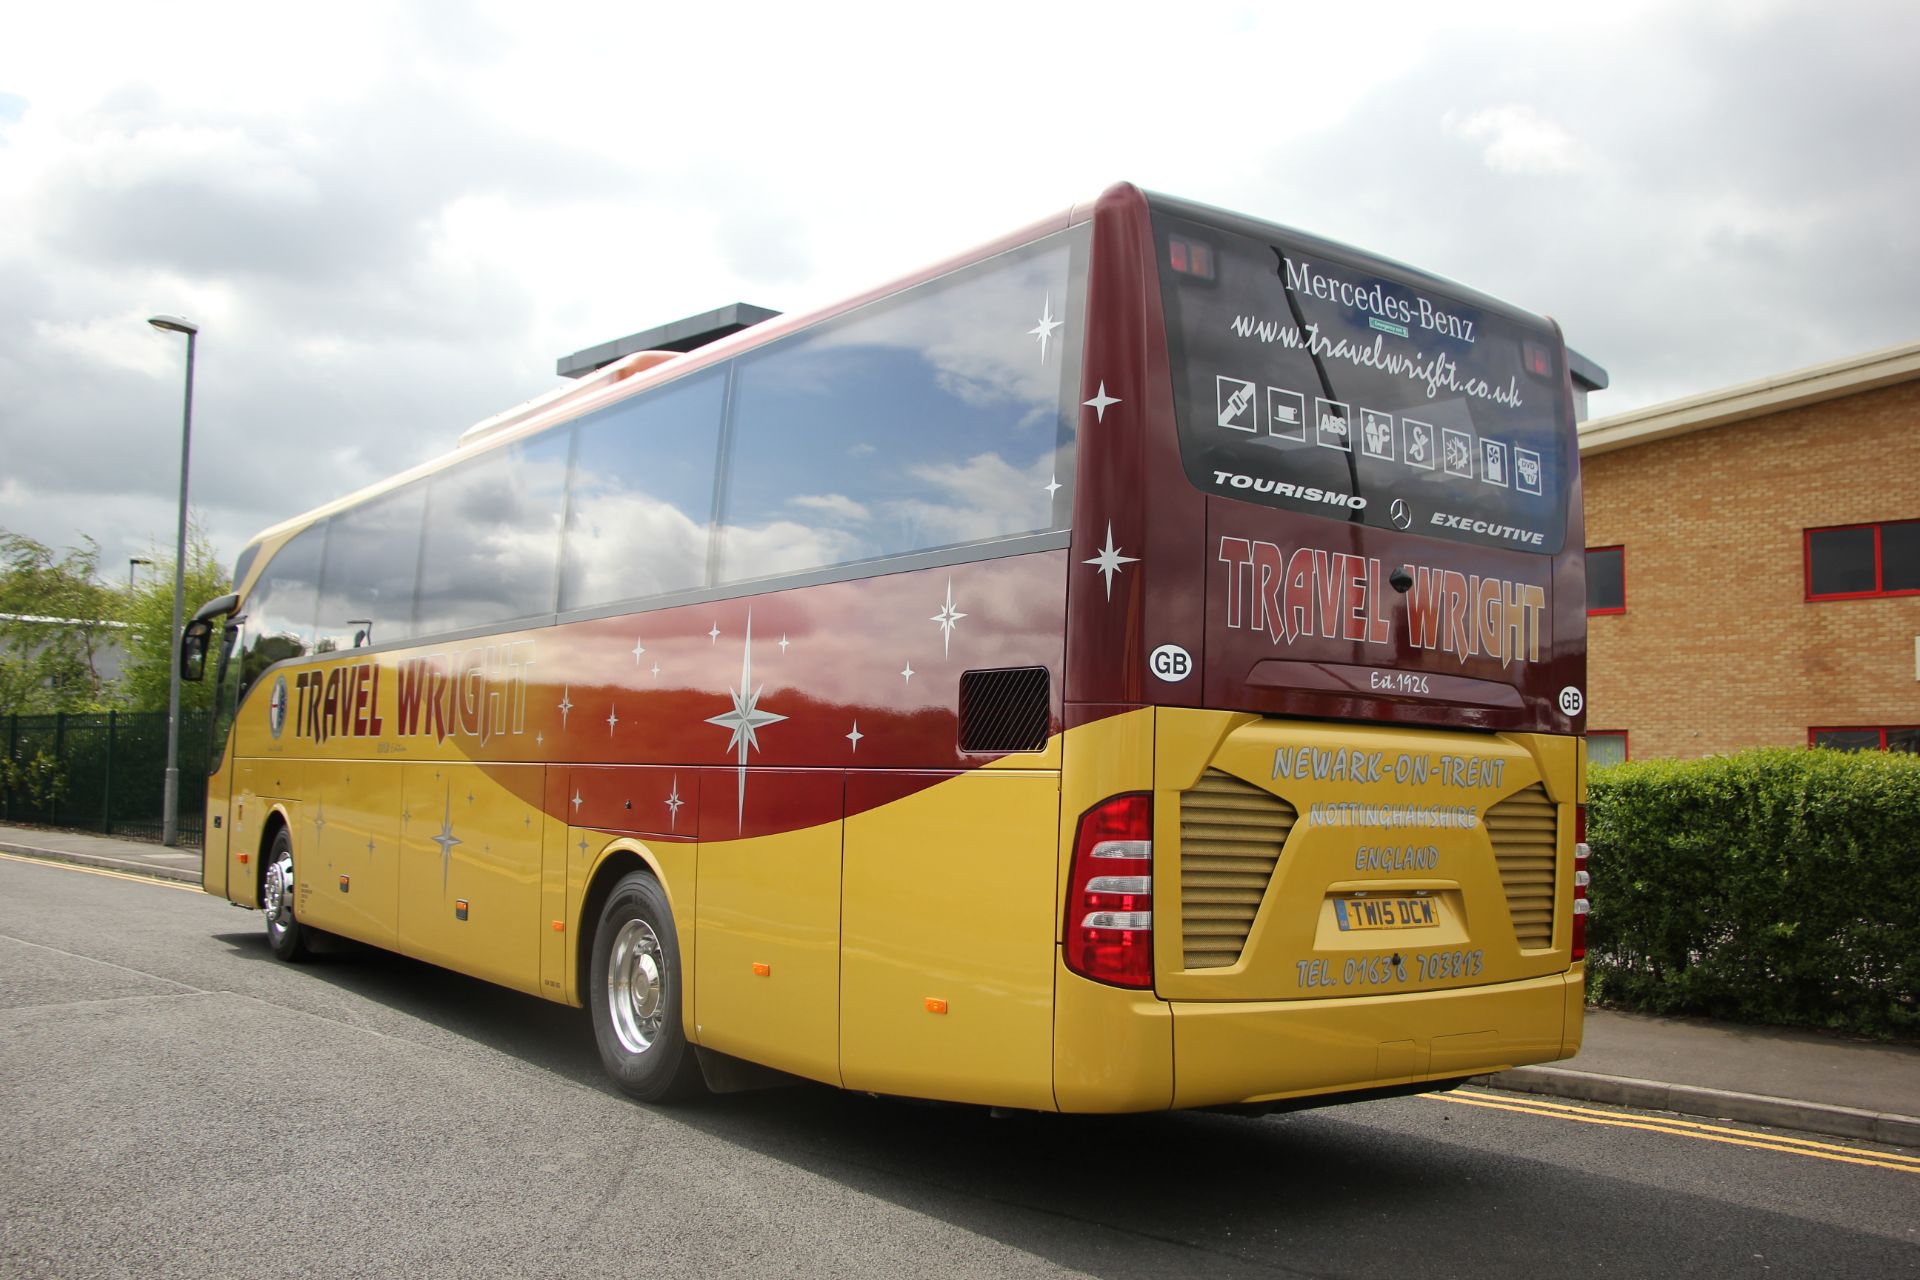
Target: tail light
1109	925
1580	882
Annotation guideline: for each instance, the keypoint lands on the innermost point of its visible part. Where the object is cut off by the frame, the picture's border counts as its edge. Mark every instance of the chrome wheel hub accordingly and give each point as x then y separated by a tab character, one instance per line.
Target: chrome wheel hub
277	896
636	986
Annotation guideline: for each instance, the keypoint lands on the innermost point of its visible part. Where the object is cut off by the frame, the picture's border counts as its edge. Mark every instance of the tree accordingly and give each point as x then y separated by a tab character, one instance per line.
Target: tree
149	664
56	621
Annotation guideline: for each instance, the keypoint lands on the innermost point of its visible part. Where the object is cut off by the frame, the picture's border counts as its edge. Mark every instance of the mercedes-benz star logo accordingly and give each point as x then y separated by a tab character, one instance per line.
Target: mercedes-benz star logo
1401	513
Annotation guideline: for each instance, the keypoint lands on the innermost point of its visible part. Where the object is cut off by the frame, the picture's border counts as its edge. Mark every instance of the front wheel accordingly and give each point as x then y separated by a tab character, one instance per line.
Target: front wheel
285	934
635	994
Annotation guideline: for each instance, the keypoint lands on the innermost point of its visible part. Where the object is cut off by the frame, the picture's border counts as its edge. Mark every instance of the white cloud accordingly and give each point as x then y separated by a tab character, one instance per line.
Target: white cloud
1517	139
836	505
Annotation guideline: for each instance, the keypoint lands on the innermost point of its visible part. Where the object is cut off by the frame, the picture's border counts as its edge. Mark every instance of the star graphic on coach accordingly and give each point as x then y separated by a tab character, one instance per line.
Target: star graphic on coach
1100	402
746	718
446	840
948	618
1108	562
1044	330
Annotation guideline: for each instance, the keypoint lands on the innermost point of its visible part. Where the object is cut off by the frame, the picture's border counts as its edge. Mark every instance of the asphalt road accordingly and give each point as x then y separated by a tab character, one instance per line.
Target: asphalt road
175	1102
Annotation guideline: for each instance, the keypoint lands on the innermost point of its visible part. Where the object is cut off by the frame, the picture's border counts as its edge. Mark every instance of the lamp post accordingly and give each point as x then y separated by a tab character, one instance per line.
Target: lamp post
132	562
170	802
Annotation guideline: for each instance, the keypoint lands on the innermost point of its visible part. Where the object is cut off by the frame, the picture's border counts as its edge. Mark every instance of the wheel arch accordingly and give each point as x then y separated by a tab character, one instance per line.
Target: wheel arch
276	822
616	861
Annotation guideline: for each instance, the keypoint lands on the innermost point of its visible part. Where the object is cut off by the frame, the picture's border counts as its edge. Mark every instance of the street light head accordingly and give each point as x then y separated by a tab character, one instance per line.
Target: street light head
174	324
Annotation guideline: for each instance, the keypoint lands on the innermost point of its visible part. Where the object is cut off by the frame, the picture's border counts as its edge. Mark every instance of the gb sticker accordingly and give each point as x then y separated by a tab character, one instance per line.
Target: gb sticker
1171	663
1571	702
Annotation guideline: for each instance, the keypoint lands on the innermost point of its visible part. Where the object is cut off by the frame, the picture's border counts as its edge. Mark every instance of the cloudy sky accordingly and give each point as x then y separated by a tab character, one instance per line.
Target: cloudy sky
390	219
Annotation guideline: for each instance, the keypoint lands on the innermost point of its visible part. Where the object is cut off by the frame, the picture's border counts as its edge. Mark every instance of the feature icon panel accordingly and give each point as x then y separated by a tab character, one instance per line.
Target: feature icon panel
1457	452
1493	462
1286	414
1417	444
1234	403
1526	471
1332	424
1376	434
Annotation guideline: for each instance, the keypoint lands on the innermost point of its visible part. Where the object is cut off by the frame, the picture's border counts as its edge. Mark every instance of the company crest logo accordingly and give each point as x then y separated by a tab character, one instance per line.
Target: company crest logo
277	707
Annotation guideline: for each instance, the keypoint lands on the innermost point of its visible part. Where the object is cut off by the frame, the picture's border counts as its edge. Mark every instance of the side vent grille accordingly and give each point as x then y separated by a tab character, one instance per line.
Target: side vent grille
1523	828
1004	710
1231	834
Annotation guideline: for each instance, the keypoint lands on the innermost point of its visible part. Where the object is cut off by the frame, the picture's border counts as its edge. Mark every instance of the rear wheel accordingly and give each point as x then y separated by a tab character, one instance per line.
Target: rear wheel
636	993
285	934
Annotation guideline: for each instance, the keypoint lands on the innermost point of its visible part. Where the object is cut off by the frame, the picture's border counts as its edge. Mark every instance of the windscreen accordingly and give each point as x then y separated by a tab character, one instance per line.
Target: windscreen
1308	378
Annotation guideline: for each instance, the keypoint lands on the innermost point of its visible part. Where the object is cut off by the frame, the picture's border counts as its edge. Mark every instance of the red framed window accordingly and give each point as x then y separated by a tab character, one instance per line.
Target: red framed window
1606	580
1866	738
1606	746
1863	561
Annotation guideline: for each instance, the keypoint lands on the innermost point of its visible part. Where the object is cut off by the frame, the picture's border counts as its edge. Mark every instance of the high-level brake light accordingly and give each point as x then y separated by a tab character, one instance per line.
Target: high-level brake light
1190	258
1109	924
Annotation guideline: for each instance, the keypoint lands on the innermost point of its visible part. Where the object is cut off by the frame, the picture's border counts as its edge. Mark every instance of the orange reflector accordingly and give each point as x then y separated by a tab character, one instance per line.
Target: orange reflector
936	1005
243	859
762	970
559	926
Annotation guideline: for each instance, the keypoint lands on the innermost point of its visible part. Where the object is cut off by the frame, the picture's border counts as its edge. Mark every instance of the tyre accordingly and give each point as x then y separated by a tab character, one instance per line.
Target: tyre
635	994
285	934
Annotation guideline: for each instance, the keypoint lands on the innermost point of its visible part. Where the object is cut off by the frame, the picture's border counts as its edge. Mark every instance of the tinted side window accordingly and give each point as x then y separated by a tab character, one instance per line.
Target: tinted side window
228	687
491	553
925	420
366	585
280	610
640	496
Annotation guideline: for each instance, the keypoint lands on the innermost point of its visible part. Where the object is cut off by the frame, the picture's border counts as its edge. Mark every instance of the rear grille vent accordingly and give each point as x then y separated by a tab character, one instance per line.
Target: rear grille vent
1231	834
1004	710
1523	828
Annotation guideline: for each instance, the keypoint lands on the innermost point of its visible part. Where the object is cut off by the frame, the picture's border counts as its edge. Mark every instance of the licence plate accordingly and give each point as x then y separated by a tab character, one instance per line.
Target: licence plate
1385	913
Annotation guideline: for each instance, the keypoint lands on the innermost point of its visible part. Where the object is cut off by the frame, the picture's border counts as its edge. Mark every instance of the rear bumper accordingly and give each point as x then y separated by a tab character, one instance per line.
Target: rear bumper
1262	1051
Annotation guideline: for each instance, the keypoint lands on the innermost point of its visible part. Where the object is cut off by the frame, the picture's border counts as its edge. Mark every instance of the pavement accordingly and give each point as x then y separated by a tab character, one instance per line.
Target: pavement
1772	1076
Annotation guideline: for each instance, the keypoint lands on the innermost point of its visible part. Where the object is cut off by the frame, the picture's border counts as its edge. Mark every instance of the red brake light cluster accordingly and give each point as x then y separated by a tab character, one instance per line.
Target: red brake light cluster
1109	925
1190	258
1581	880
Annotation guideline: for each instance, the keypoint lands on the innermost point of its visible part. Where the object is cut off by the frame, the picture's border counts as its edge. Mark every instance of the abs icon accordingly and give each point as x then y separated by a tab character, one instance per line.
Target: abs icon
1171	663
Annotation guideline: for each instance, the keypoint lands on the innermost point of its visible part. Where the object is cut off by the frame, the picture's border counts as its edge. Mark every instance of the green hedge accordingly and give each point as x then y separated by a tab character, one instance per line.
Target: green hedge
1776	886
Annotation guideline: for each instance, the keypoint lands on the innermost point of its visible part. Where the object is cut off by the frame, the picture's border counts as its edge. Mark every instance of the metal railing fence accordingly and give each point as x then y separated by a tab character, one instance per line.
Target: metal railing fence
103	772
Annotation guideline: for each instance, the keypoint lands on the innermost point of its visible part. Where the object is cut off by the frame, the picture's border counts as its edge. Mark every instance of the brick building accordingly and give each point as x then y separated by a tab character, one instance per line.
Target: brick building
1754	565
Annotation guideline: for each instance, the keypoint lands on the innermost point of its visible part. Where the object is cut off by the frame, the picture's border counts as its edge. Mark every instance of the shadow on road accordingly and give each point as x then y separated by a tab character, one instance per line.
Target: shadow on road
1405	1185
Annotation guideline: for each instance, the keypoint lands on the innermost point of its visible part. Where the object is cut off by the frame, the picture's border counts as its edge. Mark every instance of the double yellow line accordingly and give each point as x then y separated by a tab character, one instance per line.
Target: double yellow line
101	871
1528	1106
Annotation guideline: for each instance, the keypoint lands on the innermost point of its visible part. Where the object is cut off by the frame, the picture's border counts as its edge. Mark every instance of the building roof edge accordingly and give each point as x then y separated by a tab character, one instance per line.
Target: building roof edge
1865	372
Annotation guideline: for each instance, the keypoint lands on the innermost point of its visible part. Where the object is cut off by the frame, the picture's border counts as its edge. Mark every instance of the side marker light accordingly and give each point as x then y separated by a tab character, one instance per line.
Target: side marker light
936	1005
